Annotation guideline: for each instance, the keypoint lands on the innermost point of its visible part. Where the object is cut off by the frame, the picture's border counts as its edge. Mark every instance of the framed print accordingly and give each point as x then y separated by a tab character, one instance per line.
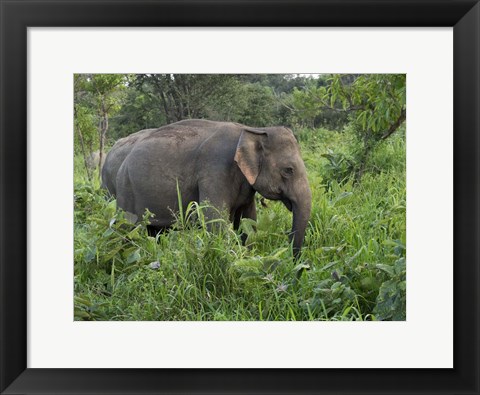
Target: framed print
71	279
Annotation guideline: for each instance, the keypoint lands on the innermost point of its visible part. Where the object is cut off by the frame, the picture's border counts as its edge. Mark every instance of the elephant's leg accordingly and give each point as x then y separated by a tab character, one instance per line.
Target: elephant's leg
247	211
215	209
223	196
153	230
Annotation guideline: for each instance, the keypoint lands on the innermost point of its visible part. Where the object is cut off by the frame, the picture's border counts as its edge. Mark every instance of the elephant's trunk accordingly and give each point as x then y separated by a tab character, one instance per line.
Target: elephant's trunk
301	208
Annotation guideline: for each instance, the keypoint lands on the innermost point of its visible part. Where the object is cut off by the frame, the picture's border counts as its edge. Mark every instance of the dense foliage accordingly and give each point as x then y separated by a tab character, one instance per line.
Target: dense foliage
353	265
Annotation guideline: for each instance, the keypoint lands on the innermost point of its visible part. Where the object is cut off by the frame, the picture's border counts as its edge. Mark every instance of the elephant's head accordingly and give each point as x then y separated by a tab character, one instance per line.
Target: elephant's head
270	160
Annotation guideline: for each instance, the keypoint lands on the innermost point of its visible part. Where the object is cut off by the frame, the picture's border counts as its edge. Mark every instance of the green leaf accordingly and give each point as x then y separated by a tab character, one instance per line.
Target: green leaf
108	232
133	257
301	266
386	268
329	265
90	254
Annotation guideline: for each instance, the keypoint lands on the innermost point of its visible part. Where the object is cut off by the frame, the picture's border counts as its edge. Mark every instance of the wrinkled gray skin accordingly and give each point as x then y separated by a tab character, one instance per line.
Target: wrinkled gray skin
220	162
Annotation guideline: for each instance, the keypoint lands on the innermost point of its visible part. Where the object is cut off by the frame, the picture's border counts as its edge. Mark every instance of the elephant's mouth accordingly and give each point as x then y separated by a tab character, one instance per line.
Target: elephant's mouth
287	203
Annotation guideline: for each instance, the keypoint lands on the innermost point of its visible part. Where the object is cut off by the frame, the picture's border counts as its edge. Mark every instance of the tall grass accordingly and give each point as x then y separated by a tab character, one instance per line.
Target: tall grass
352	266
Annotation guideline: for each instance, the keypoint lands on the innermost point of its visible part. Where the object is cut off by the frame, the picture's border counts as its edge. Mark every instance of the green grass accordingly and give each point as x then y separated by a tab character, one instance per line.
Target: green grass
352	266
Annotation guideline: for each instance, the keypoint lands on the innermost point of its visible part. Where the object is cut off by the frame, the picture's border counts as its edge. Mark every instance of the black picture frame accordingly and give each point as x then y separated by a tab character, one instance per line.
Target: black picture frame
18	15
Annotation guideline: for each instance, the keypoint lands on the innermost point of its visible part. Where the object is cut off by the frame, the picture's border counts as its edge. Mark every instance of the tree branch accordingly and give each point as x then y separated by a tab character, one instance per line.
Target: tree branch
395	125
348	109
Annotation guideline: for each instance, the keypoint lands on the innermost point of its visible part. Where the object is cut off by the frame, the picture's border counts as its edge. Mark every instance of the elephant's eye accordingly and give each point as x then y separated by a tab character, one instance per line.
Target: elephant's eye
287	172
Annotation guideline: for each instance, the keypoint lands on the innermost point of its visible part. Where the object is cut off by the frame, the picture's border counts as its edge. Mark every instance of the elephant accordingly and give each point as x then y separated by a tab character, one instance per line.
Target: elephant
94	159
224	163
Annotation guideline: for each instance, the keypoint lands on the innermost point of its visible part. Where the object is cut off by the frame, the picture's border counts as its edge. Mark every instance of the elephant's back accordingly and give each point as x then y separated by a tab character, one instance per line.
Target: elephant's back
166	151
163	162
178	144
181	135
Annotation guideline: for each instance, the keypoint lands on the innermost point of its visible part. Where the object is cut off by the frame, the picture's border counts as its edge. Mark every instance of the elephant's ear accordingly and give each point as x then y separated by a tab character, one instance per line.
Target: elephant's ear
249	153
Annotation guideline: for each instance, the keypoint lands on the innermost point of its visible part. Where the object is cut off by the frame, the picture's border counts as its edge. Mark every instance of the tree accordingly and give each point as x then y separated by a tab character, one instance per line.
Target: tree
140	110
279	83
186	96
84	120
259	106
107	90
304	104
376	104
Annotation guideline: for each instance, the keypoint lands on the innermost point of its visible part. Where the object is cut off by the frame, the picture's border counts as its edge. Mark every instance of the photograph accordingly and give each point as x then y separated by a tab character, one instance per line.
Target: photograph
210	197
239	197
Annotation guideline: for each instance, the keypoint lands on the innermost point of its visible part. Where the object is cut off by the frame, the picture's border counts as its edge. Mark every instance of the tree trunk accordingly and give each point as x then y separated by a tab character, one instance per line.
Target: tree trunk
368	145
84	152
103	134
394	126
360	170
367	149
165	107
82	144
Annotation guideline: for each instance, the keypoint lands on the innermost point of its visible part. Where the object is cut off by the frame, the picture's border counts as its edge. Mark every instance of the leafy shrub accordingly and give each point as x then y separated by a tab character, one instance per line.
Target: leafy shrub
391	299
